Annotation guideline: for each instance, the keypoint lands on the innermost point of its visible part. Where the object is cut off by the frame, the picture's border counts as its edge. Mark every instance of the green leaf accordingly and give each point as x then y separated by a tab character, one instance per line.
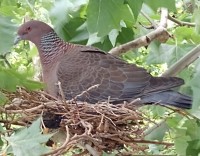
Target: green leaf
173	122
68	18
181	144
135	6
188	34
74	30
193	129
1	142
166	53
155	4
196	88
3	100
197	21
29	141
157	132
1	128
10	79
187	140
104	16
93	38
7	29
193	147
113	36
125	35
105	45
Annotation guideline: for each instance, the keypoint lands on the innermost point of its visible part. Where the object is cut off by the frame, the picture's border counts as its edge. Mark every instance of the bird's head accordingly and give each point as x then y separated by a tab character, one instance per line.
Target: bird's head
33	31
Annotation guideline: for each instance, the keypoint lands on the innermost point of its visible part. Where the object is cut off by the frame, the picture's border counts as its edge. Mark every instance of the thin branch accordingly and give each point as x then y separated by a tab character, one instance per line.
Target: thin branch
48	95
164	17
61	92
160	33
86	91
19	123
63	146
153	142
6	60
51	103
183	62
91	150
181	23
149	19
140	42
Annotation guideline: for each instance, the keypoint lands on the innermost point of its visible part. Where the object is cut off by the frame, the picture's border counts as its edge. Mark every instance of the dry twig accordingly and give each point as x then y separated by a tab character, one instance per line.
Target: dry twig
99	127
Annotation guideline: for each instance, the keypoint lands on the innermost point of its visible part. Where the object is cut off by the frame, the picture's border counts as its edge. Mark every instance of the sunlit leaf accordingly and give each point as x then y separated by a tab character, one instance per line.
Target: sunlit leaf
181	144
186	34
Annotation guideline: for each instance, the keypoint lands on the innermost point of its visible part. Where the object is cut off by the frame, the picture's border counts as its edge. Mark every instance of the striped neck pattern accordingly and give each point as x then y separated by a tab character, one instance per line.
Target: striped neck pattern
52	47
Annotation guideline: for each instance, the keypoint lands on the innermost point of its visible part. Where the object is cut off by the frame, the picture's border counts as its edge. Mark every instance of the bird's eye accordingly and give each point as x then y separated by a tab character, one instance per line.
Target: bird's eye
28	29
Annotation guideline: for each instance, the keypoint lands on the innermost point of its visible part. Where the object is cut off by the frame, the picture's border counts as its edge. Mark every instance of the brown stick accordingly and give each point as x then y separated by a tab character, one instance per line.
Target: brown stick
146	39
181	23
183	62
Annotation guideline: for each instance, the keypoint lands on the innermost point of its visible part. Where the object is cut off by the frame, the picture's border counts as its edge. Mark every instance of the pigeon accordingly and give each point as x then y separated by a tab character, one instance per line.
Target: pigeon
88	74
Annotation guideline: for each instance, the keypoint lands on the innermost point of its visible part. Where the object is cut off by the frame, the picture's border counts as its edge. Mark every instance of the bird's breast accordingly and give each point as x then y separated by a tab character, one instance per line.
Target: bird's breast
50	79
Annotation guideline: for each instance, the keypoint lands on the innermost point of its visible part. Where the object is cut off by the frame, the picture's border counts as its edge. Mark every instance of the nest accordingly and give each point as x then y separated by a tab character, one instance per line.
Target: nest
96	127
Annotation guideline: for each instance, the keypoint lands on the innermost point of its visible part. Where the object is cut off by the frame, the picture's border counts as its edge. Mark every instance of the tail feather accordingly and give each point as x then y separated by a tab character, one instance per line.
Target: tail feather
168	97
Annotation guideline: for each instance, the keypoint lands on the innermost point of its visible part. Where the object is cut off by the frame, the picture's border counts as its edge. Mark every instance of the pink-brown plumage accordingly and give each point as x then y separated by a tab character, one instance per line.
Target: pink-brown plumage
79	67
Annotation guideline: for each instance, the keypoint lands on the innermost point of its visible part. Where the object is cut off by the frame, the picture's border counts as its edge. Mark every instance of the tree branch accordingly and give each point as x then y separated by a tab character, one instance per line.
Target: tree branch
139	42
164	17
160	33
183	62
181	23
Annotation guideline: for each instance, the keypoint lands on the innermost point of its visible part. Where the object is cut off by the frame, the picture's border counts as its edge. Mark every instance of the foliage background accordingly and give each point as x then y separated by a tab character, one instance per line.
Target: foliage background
106	24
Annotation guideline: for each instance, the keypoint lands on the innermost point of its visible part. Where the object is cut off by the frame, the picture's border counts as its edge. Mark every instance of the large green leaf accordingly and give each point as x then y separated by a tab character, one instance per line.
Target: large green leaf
187	141
166	53
186	34
155	4
10	79
104	16
135	6
29	141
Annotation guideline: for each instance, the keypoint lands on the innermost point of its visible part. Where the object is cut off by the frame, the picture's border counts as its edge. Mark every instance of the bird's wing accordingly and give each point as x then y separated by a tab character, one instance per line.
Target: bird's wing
81	69
160	84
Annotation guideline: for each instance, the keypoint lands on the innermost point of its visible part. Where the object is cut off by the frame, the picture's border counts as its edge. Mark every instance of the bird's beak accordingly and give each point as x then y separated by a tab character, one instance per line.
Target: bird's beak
17	39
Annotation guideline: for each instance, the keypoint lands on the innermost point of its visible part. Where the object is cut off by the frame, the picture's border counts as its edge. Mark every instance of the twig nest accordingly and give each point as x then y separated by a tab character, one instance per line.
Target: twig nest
102	126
